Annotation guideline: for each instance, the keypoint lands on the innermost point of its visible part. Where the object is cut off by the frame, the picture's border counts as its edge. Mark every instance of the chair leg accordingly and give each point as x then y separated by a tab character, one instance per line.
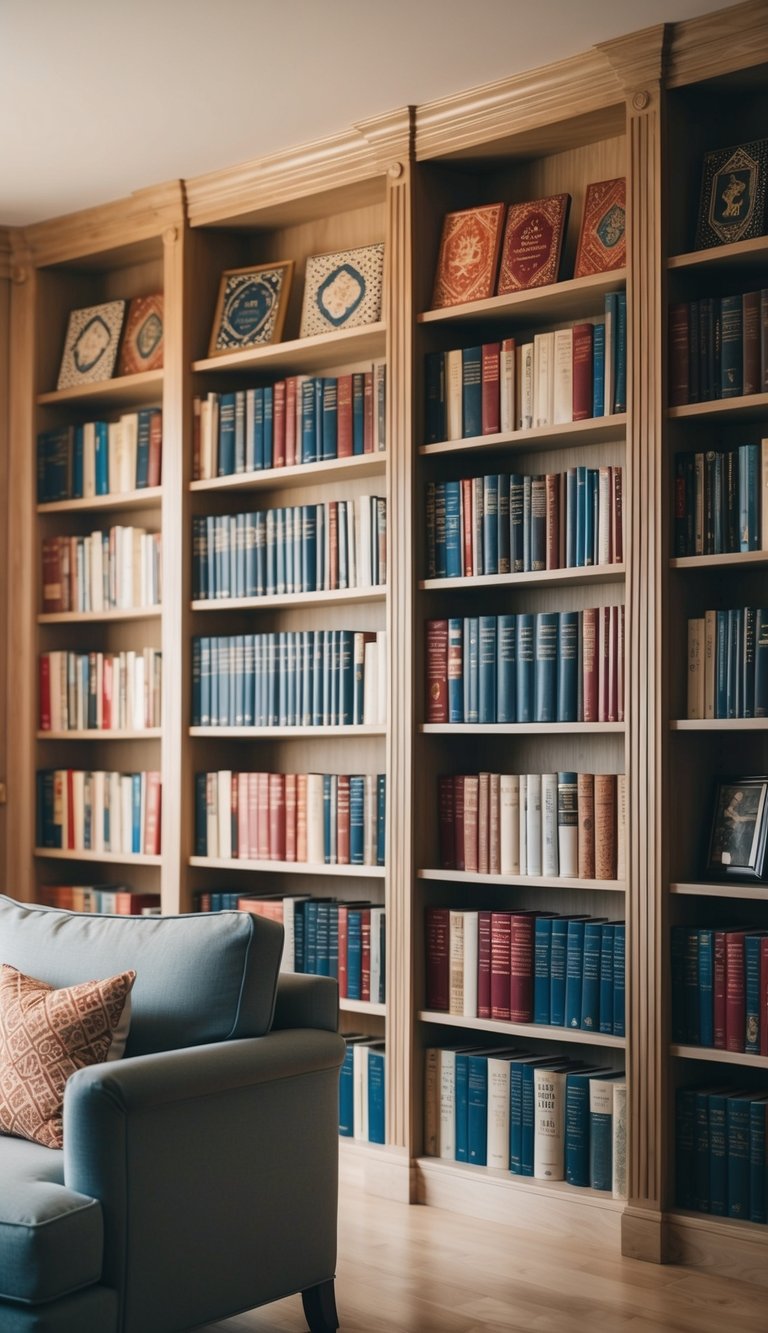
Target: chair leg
320	1308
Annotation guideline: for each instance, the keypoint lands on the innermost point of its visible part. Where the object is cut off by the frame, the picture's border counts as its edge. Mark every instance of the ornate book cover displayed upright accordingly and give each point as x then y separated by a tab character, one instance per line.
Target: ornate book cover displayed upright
469	256
533	242
602	243
733	195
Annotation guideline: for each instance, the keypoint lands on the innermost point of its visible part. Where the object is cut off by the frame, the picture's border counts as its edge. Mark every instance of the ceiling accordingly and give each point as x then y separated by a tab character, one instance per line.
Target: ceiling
101	97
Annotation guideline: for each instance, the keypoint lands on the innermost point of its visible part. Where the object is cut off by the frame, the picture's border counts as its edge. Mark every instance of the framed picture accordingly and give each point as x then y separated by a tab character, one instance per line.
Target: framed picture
603	239
469	256
250	311
90	347
342	290
142	345
738	834
733	195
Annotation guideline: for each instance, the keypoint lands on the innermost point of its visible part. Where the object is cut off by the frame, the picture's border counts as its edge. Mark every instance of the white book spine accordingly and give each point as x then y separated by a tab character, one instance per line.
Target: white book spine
619	1164
447	1132
522	823
549	1124
498	1114
381	677
549	858
526	387
604	489
456	963
563	376
507	376
509	823
315	849
533	825
224	778
471	925
377	915
453	394
370	684
360	1091
710	661
544	378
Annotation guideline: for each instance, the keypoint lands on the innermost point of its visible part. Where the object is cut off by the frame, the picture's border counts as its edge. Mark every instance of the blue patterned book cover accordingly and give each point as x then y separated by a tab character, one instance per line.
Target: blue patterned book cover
342	290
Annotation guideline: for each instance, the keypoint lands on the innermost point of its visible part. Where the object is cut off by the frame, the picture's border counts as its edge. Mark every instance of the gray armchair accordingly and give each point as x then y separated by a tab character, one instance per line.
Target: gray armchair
198	1177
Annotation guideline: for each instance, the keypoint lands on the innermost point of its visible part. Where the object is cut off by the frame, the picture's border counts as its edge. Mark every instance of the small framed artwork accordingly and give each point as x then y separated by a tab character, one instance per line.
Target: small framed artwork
738	835
142	345
342	290
90	347
468	258
734	197
603	238
250	311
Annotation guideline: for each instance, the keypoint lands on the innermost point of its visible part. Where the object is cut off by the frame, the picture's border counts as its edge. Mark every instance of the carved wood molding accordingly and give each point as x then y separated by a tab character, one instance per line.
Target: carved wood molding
638	58
718	43
141	216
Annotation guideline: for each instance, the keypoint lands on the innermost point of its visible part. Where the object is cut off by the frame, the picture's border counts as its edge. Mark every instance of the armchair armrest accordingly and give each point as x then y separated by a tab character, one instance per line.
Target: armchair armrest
306	1002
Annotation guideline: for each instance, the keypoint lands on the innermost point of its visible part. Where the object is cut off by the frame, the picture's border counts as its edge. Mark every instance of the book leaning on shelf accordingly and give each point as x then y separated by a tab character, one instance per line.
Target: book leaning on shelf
105	571
513	524
720	988
551	666
557	825
303	419
720	500
362	1102
100	457
112	899
317	818
292	678
718	348
293	549
720	1151
544	1117
728	664
99	811
100	691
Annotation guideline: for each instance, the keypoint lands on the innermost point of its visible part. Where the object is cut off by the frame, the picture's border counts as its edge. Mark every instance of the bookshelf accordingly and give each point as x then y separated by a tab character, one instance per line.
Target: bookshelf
647	106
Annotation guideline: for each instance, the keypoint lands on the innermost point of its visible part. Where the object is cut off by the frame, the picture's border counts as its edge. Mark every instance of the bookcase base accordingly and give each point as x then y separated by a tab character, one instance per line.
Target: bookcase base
643	1235
386	1173
719	1245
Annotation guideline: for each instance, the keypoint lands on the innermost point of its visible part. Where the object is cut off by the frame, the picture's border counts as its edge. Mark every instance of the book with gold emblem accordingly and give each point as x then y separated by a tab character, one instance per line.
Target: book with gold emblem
603	242
533	242
469	256
734	202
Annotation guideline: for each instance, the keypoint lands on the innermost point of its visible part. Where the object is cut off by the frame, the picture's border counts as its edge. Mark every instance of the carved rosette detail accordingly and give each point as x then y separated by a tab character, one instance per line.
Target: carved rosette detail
640	101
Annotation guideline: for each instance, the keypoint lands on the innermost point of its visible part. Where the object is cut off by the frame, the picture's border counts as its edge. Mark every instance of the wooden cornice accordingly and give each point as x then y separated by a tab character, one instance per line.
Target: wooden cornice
143	215
561	91
638	58
358	154
718	43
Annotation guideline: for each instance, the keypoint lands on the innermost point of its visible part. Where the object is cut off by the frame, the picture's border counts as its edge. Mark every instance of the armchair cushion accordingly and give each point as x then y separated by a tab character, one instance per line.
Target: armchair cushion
200	978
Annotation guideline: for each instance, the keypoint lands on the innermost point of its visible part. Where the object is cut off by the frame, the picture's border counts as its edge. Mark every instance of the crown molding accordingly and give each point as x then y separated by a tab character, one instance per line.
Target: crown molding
361	153
638	58
144	215
718	43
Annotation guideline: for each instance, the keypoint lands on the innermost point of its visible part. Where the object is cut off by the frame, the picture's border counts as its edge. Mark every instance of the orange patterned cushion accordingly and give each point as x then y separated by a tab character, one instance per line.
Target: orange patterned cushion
45	1035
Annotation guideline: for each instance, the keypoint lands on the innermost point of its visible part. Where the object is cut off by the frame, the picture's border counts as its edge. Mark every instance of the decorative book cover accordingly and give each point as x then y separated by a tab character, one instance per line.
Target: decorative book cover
90	347
533	242
342	290
602	243
251	307
469	256
142	345
734	202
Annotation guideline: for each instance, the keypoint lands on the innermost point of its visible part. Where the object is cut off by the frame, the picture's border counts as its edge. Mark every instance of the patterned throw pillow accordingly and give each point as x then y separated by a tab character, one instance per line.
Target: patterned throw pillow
45	1035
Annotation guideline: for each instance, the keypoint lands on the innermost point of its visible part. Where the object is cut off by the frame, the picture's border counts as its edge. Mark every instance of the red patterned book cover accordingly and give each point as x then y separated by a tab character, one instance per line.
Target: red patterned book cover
603	242
501	965
458	820
301	816
521	967
262	816
290	816
735	998
466	523
142	345
342	820
290	421
484	964
533	243
468	256
718	992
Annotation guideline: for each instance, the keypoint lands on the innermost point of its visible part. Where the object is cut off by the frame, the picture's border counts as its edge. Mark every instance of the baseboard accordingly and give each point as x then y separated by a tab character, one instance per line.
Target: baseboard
387	1173
720	1245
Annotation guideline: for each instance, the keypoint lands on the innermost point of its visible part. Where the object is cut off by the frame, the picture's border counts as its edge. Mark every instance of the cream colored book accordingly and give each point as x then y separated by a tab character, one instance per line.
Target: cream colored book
507	382
453	395
563	377
447	1088
498	1112
543	379
525	387
619	1156
533	823
471	924
523	824
224	781
456	963
315	849
710	662
509	824
621	826
549	1124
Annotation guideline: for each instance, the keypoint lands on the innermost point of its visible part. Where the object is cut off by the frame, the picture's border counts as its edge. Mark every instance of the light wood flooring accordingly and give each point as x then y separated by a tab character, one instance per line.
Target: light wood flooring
423	1270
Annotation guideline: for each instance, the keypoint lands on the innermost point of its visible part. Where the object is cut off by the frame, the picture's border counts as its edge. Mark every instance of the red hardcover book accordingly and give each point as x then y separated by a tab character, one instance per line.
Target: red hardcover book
344	433
763	1005
437	671
735	992
253	816
276	817
437	927
141	348
586	800
290	816
343	945
278	424
262	816
127	903
603	668
483	822
240	790
466	527
333	543
602	240
620	667
718	988
290	421
750	324
368	412
533	242
521	967
491	404
484	964
234	815
342	820
613	664
365	954
155	465
679	354
445	811
590	663
469	255
301	816
583	370
552	492
107	686
196	477
501	965
458	820
471	811
494	833
45	692
152	815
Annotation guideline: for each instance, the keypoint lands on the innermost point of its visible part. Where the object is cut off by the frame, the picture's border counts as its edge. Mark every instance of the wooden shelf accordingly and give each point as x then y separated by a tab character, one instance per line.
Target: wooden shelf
595	430
724	889
576	298
524	881
750	407
541	1030
327	597
713	1056
288	867
733	558
464	1172
148	498
303	355
723	256
111	858
102	734
99	617
523	728
143	390
362	1007
329	471
549	577
719	724
273	733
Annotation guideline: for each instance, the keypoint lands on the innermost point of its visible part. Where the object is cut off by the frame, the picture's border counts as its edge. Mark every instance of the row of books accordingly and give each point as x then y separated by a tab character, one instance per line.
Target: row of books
527	967
548	666
108	899
298	548
720	988
98	811
728	664
318	818
718	347
561	376
303	419
546	1118
310	678
322	936
100	457
720	502
564	825
720	1151
515	524
104	571
100	691
362	1082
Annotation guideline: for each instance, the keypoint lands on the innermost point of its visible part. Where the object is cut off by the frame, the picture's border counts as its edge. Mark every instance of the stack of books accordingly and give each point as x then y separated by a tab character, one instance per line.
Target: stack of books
100	457
111	899
718	504
716	349
728	664
362	1090
720	988
720	1159
100	691
107	571
98	811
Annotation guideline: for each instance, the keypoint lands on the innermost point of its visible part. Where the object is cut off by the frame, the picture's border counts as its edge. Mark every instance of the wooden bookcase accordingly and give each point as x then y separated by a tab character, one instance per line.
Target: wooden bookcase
646	106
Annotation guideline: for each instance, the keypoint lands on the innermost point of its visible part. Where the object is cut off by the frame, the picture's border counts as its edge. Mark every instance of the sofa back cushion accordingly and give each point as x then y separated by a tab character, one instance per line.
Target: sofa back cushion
206	977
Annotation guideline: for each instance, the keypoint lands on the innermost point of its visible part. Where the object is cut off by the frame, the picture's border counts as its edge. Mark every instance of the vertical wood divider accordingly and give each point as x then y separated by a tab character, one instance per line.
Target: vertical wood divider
5	346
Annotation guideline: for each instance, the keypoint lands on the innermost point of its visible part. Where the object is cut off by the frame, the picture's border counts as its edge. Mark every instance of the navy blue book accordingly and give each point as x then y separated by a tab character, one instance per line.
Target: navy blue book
506	674
749	497
323	943
346	676
705	988
308	432
757	1161
354	953
568	666
490	525
516	553
607	932
525	666
571	517
574	964
545	683
542	958
590	977
77	469
715	1147
226	461
471	669
477	1110
529	1115
453	542
577	1124
358	412
737	1128
503	549
620	362
318	387
611	320
441	568
558	955
761	663
487	682
434	407
581	516
357	821
685	1116
376	1059
201	816
461	1099
381	818
733	681
619	935
258	430
347	1094
330	419
590	538
455	670
472	392
598	370
269	427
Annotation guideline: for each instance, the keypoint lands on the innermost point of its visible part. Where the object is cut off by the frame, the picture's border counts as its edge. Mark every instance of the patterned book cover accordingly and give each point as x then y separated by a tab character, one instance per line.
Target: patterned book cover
342	290
734	201
90	347
469	256
142	345
533	242
602	243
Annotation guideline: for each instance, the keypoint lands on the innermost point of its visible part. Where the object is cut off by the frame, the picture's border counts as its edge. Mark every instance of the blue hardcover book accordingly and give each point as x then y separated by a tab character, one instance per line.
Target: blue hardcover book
487	683
528	1116
356	819
358	412
737	1128
270	546
226	462
733	673
453	544
240	431
455	670
590	978
620	360
261	554
318	388
749	497
330	420
525	666
757	1161
136	784
712	1140
752	989
100	430
471	669
280	553
581	516
461	1102
558	953
542	969
516	499
77	467
434	367
201	815
490	525
309	548
249	675
258	430
503	541
607	932
601	1133
381	819
272	669
570	517
322	946
238	690
376	1098
506	674
590	540
282	678
346	1094
477	1110
577	1124
298	537
611	323
354	953
546	626
516	1117
308	432
568	666
527	506
318	643
705	988
748	627
598	370
310	937
294	658
471	392
619	934
333	940
346	676
332	650
574	964
288	544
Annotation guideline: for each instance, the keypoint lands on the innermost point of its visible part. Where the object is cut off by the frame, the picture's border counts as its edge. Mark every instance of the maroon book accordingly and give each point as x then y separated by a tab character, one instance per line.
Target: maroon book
437	671
437	927
501	965
718	988
522	926
735	993
342	818
617	515
290	815
458	820
533	242
466	523
590	664
679	355
603	664
484	964
491	405
344	416
446	816
290	422
613	664
469	255
750	302
154	468
583	343
483	822
276	817
620	666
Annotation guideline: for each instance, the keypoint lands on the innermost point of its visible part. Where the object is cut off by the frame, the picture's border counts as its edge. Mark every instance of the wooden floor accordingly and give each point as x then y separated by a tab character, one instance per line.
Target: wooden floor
422	1270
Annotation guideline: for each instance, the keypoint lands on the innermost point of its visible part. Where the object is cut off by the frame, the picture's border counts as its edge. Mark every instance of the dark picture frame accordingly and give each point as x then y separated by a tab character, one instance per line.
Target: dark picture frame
737	838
